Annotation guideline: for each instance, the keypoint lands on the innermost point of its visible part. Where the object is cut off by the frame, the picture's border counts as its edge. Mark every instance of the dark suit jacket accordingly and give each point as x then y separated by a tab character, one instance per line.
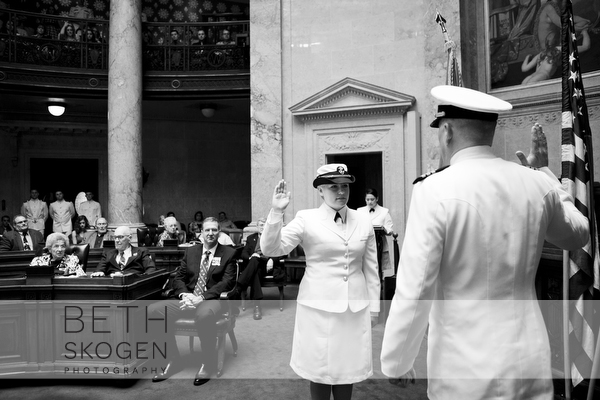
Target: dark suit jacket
13	241
140	262
91	239
221	278
249	249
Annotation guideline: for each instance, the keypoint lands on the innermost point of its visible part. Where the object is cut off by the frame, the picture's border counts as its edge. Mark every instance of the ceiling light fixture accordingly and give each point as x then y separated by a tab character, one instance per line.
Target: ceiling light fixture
56	109
208	112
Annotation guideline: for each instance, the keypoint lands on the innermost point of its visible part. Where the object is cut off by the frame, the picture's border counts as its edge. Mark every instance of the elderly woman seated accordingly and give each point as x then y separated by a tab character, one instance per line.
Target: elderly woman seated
171	232
55	256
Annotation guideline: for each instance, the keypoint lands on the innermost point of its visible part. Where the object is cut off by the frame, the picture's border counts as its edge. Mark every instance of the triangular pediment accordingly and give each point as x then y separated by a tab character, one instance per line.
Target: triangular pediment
351	97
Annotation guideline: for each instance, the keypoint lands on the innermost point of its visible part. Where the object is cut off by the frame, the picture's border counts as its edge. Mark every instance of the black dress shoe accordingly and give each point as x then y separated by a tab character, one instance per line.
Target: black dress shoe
257	313
202	376
166	373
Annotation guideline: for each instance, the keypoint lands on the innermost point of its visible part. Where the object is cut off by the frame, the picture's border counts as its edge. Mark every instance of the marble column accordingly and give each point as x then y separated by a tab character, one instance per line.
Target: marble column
125	114
266	152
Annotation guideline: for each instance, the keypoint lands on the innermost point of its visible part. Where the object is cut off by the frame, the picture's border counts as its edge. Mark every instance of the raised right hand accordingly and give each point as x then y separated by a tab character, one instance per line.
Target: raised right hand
281	197
538	153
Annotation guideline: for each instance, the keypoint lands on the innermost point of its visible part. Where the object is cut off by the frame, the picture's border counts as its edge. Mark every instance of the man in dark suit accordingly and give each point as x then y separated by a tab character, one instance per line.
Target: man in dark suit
21	238
124	258
96	239
257	267
205	272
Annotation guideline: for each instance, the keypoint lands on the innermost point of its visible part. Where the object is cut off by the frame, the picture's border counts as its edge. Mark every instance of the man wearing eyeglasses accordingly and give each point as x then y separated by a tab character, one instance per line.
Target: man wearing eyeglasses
22	238
124	258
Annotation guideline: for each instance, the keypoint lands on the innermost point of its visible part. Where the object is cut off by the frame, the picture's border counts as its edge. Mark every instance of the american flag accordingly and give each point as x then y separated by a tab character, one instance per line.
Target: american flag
577	179
453	75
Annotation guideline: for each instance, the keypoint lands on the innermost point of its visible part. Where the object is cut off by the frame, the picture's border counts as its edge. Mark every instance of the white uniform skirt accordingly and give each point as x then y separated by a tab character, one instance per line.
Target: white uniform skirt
332	348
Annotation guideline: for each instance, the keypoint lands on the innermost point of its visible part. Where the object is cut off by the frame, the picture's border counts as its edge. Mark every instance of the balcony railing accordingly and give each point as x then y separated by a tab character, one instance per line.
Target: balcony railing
52	48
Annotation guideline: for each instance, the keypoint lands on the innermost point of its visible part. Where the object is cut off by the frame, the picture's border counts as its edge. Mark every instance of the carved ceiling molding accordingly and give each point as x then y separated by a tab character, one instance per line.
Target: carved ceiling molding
36	129
97	81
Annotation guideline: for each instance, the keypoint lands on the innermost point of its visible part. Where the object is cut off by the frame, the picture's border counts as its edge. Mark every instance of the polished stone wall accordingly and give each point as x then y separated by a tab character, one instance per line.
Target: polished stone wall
395	45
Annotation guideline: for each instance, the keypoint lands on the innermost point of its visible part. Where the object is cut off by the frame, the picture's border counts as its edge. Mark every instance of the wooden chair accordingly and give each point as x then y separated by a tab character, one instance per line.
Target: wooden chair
225	327
81	251
147	237
269	281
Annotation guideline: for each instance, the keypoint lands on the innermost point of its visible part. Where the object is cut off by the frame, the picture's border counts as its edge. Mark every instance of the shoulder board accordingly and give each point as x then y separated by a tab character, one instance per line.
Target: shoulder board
425	176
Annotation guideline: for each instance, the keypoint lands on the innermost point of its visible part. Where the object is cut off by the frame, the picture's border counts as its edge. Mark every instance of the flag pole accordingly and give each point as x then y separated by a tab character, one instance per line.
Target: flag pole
453	75
565	313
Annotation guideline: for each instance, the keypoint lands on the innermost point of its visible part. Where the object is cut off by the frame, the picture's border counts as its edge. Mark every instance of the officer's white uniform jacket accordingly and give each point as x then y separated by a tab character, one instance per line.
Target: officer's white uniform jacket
341	270
473	241
379	217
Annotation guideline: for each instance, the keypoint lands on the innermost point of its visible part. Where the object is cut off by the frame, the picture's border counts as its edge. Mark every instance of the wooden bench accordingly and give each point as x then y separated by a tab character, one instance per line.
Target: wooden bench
13	263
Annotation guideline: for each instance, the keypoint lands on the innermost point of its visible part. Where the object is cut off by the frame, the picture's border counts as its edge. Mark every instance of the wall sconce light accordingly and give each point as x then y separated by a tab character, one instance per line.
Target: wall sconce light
56	109
208	112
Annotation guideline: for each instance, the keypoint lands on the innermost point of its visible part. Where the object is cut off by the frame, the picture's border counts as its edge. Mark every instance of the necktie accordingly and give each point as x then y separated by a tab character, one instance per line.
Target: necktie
121	260
338	216
201	284
25	243
257	248
371	210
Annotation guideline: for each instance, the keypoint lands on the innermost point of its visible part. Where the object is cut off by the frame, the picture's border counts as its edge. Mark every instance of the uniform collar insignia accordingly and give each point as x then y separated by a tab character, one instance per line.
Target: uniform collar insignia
425	176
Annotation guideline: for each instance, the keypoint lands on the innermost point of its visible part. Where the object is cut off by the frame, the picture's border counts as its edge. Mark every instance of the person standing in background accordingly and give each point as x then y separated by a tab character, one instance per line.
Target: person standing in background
90	208
36	211
380	216
62	212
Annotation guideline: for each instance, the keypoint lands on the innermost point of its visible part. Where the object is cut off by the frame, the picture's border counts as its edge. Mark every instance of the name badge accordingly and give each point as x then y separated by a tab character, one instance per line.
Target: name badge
216	261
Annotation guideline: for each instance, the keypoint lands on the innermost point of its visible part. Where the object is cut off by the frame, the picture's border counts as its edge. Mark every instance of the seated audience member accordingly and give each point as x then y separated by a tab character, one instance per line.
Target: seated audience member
257	267
82	231
223	239
21	238
67	33
124	258
40	32
161	220
226	38
171	232
181	224
194	232
198	218
225	224
96	239
175	40
6	225
200	40
64	264
205	272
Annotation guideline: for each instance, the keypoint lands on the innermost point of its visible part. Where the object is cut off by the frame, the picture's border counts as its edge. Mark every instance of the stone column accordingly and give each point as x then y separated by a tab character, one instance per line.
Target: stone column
125	115
266	153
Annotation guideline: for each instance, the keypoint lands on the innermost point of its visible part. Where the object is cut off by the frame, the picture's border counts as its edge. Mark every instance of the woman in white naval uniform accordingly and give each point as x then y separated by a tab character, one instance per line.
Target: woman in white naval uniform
380	216
338	298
